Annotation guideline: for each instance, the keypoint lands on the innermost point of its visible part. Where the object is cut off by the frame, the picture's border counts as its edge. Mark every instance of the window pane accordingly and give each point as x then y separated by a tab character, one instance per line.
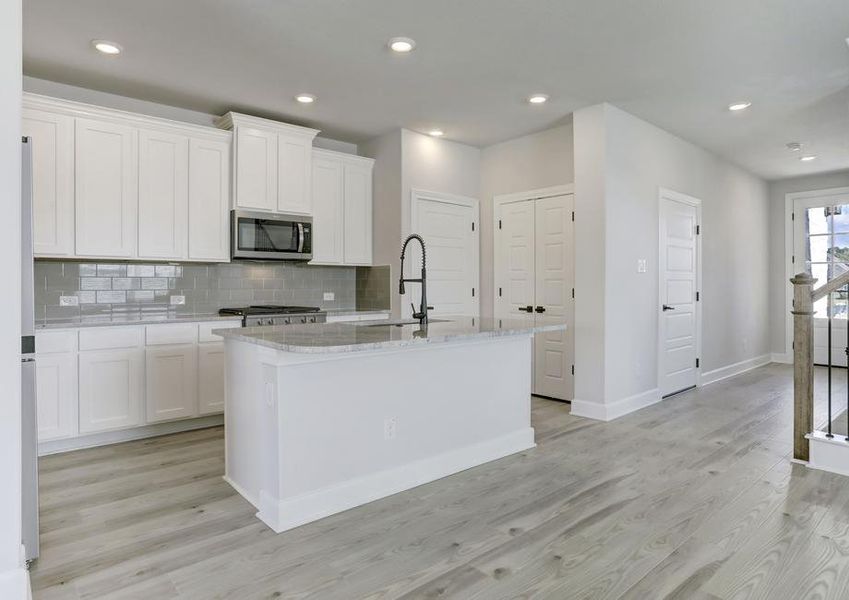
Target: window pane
839	251
818	248
839	305
816	221
840	219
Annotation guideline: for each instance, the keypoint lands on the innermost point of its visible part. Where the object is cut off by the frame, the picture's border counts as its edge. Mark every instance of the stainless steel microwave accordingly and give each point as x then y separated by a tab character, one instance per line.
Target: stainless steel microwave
267	236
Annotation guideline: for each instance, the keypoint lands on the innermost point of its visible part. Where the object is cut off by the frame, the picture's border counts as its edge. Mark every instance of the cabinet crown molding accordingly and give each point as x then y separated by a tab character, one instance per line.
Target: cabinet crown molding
73	108
232	120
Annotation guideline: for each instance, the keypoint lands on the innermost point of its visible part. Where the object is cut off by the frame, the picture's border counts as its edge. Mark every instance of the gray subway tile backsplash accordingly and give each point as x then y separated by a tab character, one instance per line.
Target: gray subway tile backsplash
104	288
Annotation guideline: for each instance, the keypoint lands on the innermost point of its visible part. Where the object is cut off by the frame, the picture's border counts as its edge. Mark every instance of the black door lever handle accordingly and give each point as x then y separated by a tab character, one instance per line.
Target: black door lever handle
667	307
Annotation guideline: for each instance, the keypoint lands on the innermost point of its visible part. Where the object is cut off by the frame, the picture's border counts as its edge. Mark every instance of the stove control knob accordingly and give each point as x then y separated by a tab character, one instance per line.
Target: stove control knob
287	321
303	319
312	319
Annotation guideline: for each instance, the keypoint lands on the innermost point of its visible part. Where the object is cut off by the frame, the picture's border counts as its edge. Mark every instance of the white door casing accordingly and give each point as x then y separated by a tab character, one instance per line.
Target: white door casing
679	332
449	226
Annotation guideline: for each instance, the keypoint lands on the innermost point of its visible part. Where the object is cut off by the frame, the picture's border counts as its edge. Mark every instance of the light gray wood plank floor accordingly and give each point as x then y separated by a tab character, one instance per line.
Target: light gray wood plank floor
693	498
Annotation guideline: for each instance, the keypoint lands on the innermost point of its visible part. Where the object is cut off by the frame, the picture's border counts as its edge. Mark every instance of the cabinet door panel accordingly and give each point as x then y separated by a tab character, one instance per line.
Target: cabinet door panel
106	170
56	395
294	175
171	382
110	389
256	169
209	200
163	195
358	215
327	190
52	181
210	378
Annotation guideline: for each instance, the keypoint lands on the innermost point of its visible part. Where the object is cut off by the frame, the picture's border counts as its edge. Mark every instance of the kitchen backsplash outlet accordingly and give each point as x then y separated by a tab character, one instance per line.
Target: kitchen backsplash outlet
104	288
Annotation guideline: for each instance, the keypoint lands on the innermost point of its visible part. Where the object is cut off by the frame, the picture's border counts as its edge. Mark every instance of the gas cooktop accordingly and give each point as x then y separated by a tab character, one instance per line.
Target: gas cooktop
268	309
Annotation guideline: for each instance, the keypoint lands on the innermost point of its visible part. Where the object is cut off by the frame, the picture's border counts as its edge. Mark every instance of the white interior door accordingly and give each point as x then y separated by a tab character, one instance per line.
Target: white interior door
821	247
449	228
554	274
678	274
516	280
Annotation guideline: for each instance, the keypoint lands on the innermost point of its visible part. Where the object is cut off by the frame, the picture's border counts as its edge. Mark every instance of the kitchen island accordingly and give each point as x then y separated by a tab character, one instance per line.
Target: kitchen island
322	418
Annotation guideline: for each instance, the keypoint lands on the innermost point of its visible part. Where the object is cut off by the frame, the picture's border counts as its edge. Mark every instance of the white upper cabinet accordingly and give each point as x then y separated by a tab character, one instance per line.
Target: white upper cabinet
272	164
52	138
358	212
209	200
328	190
106	189
256	169
113	184
342	208
294	168
163	195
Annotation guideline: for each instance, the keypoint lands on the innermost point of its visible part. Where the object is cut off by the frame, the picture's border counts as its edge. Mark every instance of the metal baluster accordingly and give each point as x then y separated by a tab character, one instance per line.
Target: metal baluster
828	310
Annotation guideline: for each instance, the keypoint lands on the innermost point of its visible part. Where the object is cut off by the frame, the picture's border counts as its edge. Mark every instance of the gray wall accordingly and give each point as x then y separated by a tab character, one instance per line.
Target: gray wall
621	162
539	160
105	288
778	283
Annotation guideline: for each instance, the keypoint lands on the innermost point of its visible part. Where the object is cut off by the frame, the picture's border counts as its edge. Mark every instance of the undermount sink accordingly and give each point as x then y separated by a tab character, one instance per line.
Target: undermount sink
397	322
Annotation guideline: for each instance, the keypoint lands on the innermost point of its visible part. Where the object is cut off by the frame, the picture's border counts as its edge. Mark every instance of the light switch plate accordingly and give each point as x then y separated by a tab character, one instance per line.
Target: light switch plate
69	301
329	296
178	300
642	267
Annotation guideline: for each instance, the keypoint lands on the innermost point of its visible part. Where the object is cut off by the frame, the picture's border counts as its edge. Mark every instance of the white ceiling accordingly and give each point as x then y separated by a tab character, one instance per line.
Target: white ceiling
675	63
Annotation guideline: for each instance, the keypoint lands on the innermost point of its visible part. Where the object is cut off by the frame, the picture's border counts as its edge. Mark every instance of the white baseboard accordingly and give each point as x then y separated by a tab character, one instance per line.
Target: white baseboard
784	358
127	435
828	454
14	584
735	369
613	410
287	513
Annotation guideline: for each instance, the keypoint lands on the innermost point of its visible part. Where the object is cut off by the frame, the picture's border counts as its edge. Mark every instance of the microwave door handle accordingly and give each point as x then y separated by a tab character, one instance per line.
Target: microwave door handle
300	238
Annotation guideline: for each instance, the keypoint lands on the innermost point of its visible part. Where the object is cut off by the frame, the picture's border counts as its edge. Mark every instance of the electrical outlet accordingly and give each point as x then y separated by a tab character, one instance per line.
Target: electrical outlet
329	296
642	267
389	428
178	300
69	301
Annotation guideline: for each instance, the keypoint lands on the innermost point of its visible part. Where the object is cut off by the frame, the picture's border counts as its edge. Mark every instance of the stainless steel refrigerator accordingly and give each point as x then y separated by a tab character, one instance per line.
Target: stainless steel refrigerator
29	437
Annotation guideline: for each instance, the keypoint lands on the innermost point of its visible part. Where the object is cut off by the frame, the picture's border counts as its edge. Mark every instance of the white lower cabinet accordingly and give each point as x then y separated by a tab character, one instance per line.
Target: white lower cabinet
56	395
110	389
210	374
171	377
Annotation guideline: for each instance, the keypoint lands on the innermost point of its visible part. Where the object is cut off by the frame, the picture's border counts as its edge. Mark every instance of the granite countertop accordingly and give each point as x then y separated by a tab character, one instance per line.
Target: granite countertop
348	312
130	319
364	336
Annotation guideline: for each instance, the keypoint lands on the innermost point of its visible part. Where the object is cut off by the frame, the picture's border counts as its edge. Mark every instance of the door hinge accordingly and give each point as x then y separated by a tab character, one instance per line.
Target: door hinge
698	229
792	345
573	293
698	296
573	369
697	363
573	216
473	292
499	292
499	223
793	259
473	225
793	216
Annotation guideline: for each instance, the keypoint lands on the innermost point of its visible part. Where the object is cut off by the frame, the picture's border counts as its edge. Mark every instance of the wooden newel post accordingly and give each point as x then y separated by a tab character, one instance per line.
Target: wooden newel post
803	363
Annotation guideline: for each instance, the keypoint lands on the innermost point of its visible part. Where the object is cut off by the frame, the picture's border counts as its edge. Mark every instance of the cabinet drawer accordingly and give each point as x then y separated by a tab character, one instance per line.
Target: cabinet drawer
110	337
50	342
177	333
205	330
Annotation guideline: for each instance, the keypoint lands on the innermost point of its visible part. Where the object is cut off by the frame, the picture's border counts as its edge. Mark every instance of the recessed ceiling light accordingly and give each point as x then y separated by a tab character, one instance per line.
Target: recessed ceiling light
402	45
106	47
794	146
305	98
436	132
739	106
808	157
538	99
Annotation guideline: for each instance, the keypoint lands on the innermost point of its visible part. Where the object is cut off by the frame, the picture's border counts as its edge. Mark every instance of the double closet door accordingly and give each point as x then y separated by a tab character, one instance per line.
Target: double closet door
534	278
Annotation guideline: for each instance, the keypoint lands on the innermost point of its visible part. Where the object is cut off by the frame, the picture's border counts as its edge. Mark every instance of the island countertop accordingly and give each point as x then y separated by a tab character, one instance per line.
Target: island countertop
364	336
